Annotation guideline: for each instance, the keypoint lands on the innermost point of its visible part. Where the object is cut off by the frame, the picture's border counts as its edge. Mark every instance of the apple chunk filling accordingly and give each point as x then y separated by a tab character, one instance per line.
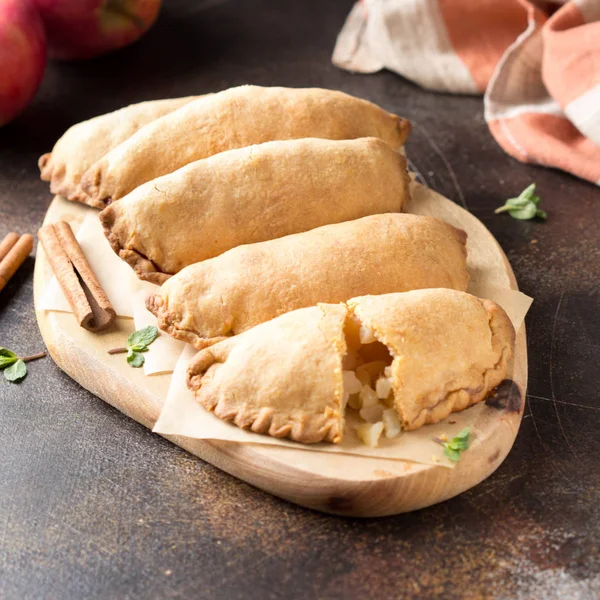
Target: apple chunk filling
368	389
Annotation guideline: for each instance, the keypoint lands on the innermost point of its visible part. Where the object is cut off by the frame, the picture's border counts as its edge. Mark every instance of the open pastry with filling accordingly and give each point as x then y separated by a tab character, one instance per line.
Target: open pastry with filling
254	283
403	360
85	143
251	195
236	118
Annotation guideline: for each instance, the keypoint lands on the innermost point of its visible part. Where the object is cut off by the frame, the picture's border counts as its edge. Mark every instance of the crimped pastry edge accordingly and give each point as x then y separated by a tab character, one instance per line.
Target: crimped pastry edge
454	401
143	267
59	185
332	428
167	323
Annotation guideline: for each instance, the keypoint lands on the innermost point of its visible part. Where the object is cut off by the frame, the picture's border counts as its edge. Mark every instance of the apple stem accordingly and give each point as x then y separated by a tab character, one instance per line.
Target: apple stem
115	6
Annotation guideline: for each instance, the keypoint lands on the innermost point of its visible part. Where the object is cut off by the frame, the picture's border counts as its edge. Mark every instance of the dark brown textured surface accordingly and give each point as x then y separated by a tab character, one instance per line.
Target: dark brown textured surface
94	506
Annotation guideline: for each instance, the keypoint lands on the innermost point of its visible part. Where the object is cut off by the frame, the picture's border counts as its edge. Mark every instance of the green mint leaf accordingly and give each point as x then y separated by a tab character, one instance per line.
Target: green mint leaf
524	206
463	435
525	213
6	361
132	349
528	192
458	444
512	204
453	455
142	338
136	359
7	358
139	348
16	371
517	202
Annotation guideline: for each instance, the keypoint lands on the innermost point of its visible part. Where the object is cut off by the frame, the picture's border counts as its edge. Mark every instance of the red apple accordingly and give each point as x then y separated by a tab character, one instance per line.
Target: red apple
22	56
79	29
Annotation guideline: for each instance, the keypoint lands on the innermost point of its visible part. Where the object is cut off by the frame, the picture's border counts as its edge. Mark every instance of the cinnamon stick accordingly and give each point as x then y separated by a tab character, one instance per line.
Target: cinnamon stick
14	257
7	243
84	293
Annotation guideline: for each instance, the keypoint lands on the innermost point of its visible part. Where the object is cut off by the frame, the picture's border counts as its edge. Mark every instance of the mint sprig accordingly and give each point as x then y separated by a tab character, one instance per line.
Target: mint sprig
457	445
524	206
137	343
7	358
16	371
141	339
13	366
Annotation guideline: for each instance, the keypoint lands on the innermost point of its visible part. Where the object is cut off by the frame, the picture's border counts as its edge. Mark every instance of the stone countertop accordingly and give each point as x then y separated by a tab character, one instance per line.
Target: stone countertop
92	505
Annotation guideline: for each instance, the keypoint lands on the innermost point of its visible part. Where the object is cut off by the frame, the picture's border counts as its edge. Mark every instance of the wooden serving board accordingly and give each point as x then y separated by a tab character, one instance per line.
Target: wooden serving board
330	482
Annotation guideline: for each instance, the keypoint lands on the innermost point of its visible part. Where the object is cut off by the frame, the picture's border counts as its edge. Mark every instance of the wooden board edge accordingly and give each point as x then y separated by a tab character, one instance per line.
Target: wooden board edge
379	496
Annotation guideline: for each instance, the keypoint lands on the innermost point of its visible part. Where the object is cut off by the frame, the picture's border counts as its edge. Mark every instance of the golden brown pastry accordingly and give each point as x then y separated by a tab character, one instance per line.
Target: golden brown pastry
283	378
439	351
85	143
231	119
449	349
251	195
254	283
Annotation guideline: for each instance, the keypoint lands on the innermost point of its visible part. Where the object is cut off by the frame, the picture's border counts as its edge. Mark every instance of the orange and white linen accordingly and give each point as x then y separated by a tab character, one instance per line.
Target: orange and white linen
537	64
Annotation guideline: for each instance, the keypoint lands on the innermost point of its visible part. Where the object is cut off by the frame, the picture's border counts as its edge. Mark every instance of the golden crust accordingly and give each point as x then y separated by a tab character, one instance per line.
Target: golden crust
85	143
450	349
282	378
236	118
254	283
251	195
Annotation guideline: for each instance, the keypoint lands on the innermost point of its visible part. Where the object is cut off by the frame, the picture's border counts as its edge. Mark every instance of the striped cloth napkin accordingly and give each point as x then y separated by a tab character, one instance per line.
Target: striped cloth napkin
537	64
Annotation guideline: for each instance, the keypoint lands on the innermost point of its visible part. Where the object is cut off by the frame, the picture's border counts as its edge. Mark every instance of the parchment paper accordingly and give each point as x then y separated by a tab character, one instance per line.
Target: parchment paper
165	350
182	415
